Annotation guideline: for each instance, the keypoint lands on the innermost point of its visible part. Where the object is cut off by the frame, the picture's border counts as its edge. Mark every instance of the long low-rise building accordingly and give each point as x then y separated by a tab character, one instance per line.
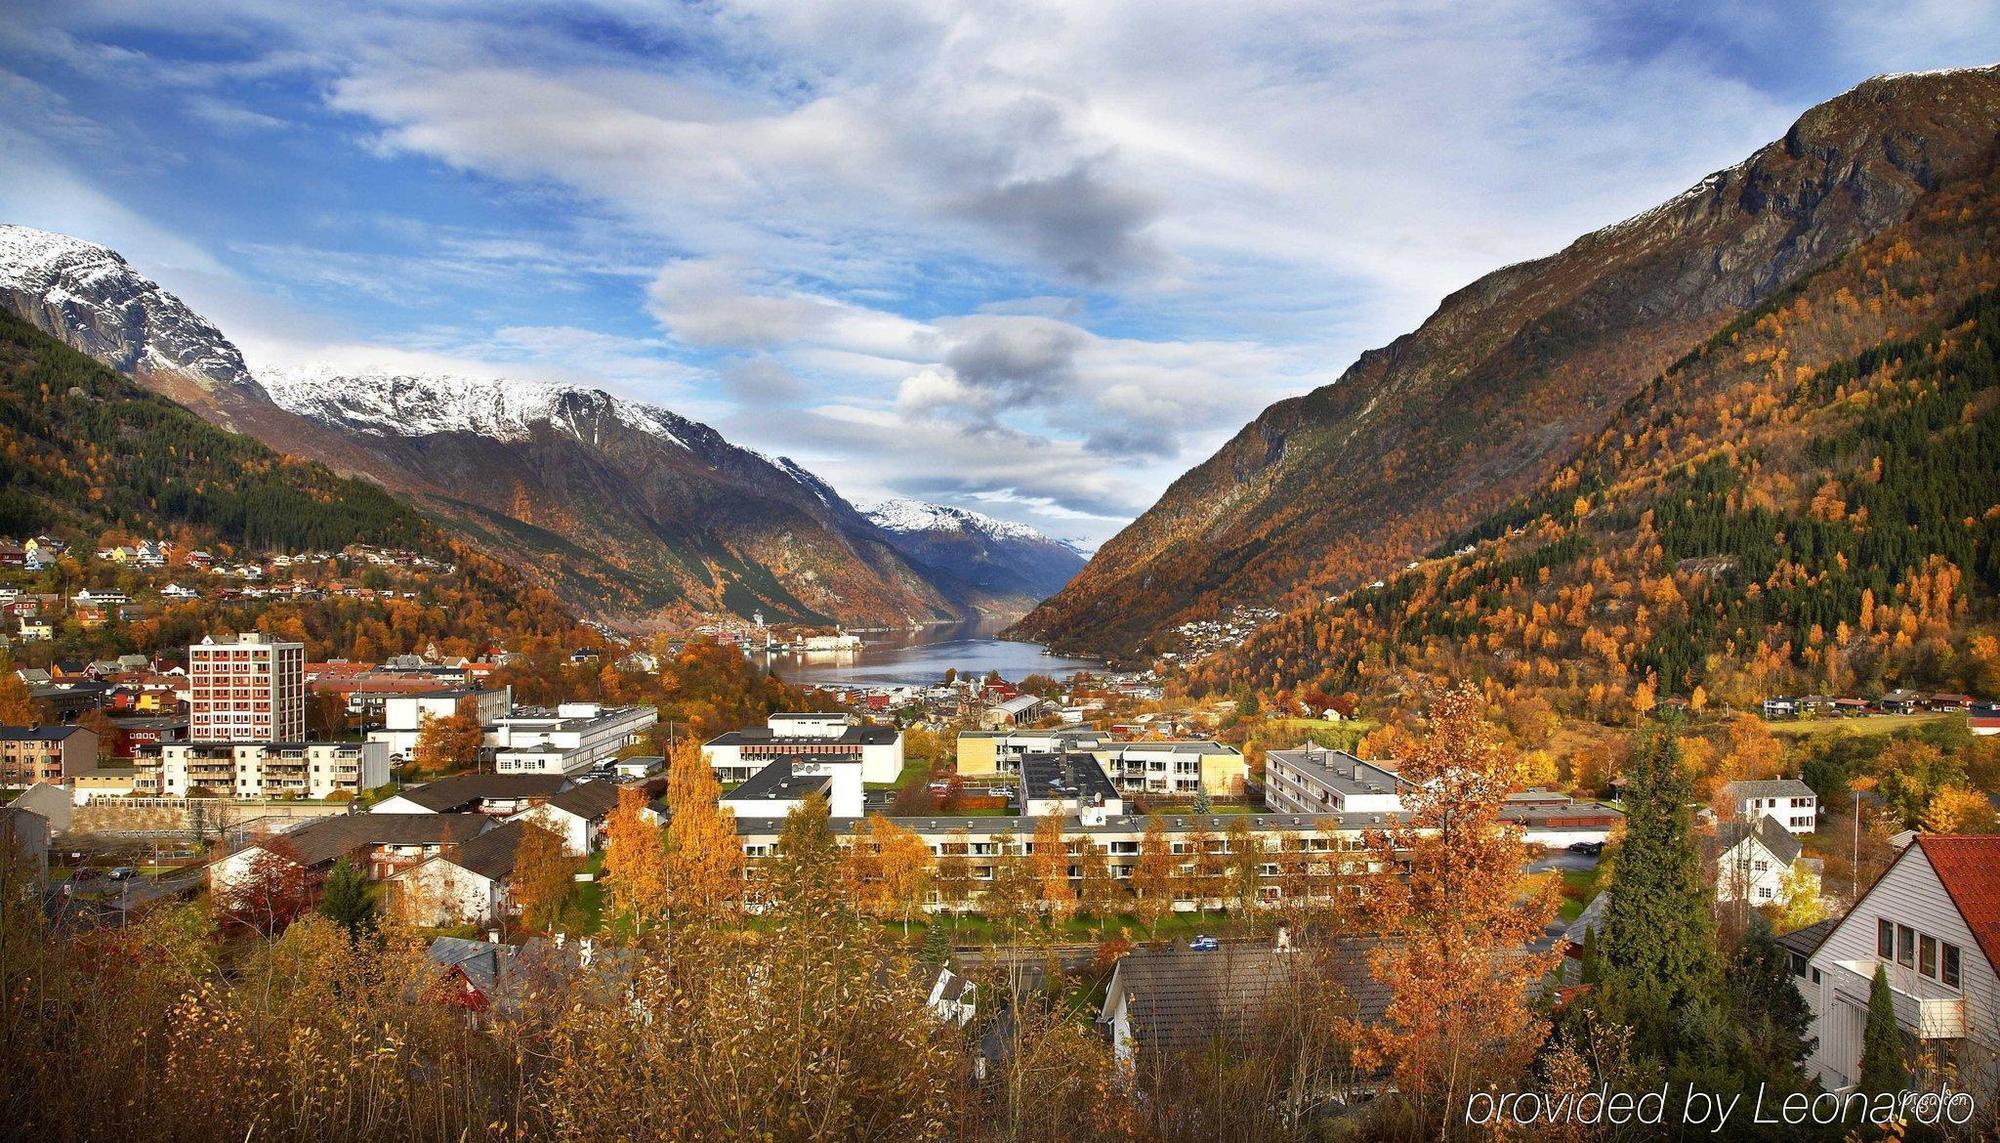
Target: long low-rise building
272	769
1301	854
573	739
1314	780
738	755
780	786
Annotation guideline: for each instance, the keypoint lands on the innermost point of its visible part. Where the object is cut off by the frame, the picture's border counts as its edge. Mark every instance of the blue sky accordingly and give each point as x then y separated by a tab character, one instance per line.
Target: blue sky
1032	258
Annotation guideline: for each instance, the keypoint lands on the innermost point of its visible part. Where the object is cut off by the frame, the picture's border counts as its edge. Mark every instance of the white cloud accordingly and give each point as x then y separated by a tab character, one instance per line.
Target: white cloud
1041	252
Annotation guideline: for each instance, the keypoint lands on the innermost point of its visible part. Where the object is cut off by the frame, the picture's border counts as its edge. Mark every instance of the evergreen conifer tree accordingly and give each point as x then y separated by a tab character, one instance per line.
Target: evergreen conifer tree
1882	1065
1658	949
346	899
937	944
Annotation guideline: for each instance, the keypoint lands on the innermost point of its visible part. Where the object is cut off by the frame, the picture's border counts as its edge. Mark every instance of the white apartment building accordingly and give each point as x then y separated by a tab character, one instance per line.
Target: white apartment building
739	755
576	737
403	715
1315	780
1789	800
252	690
268	769
1932	922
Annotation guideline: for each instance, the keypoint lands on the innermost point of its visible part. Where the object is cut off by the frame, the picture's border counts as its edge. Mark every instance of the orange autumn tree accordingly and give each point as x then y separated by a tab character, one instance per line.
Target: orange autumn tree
635	859
1456	926
544	876
704	855
447	743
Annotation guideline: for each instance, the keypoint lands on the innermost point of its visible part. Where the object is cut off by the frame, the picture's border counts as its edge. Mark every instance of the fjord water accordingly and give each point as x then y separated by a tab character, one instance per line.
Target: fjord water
894	658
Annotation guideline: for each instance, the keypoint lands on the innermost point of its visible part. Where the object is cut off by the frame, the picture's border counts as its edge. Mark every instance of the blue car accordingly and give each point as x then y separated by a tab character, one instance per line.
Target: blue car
1204	944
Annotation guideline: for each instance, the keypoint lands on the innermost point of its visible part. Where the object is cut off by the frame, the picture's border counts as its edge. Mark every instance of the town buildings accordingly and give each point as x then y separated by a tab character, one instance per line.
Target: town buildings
272	769
252	690
1789	800
739	754
404	714
52	753
1315	780
1754	860
573	739
779	786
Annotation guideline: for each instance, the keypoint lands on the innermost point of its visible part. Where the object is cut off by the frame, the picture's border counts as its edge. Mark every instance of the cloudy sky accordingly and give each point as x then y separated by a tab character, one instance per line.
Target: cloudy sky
1032	258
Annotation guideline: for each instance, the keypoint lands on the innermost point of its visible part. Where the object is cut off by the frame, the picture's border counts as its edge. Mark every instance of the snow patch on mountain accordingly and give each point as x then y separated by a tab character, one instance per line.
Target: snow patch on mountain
91	298
390	403
903	515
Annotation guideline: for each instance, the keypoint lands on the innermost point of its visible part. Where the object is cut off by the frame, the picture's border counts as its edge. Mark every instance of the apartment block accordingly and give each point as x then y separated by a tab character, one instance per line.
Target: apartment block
272	769
252	690
30	754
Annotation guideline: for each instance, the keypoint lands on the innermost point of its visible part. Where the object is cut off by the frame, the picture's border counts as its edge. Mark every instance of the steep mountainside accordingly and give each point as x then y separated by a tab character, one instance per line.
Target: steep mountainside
85	452
998	557
1808	501
628	511
1515	372
634	503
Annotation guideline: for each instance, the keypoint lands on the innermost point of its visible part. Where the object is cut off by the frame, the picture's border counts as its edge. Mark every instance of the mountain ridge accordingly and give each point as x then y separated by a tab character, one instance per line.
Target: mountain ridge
633	514
1334	488
998	557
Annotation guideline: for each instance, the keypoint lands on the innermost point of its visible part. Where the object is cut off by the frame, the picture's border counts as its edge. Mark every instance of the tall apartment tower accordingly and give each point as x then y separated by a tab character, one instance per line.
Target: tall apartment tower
252	690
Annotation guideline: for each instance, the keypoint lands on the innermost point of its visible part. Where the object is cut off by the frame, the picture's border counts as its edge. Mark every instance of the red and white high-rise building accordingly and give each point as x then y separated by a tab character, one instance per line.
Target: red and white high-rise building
252	690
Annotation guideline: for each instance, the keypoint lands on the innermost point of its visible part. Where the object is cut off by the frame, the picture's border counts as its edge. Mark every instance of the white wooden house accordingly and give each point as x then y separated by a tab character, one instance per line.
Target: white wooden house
1753	859
1932	921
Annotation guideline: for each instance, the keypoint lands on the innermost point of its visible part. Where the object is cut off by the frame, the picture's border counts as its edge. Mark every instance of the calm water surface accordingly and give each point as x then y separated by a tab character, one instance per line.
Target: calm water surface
898	658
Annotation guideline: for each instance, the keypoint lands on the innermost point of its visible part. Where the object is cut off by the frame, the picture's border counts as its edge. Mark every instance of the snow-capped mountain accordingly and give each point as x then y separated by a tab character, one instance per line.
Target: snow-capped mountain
633	513
88	297
998	556
389	403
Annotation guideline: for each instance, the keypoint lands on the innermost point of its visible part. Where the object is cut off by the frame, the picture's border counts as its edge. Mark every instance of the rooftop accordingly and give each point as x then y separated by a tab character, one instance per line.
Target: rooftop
1771	788
1066	776
464	789
1339	770
328	838
1178	1000
776	782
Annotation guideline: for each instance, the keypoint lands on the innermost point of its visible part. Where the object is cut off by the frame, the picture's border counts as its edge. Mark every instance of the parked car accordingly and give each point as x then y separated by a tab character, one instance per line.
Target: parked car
124	873
1204	943
1587	848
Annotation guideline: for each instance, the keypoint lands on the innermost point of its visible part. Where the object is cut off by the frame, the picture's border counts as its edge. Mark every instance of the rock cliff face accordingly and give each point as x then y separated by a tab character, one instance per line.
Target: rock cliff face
89	298
632	513
1482	402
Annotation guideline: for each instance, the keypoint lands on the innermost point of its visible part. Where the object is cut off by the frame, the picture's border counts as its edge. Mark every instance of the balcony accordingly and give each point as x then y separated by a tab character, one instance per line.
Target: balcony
1924	1007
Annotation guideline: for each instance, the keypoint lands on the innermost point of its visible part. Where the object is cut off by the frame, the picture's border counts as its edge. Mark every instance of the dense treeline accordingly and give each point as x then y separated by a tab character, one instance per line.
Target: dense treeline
85	453
1809	500
83	445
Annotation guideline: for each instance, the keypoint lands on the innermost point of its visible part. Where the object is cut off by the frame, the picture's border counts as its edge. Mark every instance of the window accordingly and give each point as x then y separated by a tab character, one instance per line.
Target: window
1949	965
1906	946
1764	893
1927	955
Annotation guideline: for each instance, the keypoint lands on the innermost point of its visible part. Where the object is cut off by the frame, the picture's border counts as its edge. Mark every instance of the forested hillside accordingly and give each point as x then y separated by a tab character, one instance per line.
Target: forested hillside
1513	374
1808	500
84	452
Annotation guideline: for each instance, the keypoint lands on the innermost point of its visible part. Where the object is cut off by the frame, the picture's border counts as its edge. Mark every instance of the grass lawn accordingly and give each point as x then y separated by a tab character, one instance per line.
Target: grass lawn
1579	886
1863	727
1362	725
587	910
